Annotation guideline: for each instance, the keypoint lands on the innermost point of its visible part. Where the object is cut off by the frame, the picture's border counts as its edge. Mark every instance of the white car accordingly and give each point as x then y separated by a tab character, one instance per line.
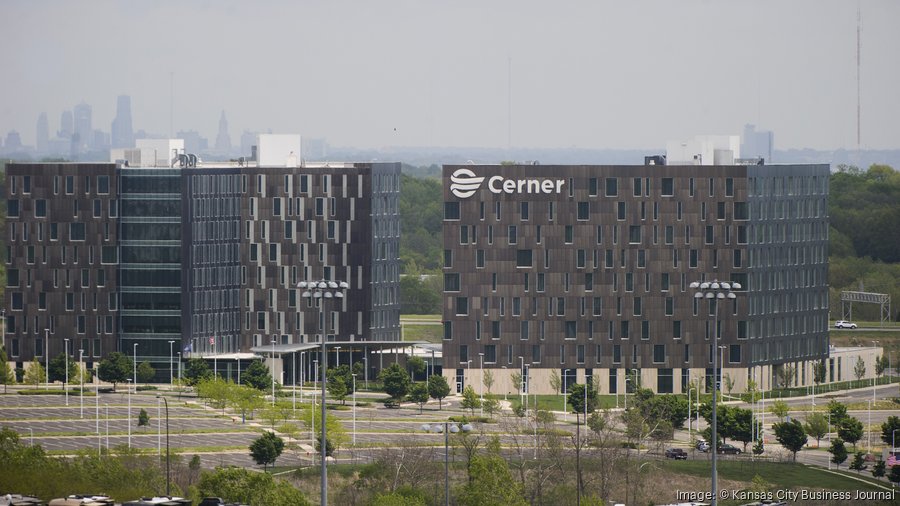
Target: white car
844	324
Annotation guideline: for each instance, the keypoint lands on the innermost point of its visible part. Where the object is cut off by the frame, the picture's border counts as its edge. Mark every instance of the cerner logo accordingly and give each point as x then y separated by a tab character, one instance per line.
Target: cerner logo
464	183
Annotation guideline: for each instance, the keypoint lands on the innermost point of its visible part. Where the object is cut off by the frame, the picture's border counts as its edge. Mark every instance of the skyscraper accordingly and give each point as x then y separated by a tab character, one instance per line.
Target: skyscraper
42	137
83	129
223	140
121	130
66	128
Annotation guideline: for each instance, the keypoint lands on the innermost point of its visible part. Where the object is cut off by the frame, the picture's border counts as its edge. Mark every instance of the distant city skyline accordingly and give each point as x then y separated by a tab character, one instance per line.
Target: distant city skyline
591	75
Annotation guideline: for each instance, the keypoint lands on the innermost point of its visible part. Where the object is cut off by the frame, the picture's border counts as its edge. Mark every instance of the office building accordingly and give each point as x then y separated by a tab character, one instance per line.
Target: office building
111	256
121	131
585	272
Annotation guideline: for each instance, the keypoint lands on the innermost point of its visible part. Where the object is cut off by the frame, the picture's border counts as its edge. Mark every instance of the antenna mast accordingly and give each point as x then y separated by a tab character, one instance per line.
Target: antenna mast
858	58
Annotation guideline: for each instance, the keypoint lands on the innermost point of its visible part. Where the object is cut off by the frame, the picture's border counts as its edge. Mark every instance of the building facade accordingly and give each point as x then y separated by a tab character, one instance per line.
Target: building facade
156	260
585	272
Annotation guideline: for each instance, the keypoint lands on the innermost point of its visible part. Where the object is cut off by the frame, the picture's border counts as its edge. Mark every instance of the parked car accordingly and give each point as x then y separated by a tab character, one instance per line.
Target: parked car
844	324
702	446
676	453
728	449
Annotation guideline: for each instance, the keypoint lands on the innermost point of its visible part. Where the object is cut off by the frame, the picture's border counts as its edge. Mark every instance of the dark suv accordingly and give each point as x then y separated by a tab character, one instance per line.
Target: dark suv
728	449
676	453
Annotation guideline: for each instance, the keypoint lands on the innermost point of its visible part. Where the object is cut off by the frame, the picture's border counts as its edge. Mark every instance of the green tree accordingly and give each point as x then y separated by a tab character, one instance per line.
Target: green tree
894	475
490	483
398	499
739	425
516	378
470	400
257	376
555	381
116	368
7	375
838	412
35	373
57	368
583	400
335	432
819	372
418	296
851	431
491	406
419	395
880	365
859	462
791	436
878	469
859	370
487	380
438	388
758	448
779	408
145	372
143	418
245	400
396	382
887	430
215	391
838	452
266	448
237	485
416	366
816	426
337	389
196	370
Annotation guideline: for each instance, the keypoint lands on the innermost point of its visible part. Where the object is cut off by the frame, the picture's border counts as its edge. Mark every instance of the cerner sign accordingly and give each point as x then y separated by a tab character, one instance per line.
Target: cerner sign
464	183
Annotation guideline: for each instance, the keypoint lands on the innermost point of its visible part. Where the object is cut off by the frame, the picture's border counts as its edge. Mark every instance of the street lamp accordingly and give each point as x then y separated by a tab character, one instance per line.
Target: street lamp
66	358
81	369
135	367
337	356
446	428
273	372
171	365
323	290
129	413
874	343
179	367
167	443
481	373
354	409
520	387
714	292
47	354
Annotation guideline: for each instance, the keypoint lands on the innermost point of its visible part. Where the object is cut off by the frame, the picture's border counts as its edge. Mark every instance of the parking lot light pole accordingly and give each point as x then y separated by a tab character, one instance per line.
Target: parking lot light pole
323	290
168	479
128	420
47	355
81	372
874	346
135	368
272	370
715	292
171	365
481	373
66	383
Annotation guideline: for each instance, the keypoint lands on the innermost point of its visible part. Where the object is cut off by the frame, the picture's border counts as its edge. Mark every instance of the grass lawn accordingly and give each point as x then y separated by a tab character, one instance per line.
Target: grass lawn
779	474
420	317
430	333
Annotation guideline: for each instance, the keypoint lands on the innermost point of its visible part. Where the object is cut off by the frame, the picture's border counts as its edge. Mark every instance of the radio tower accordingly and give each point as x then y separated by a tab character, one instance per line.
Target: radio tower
858	53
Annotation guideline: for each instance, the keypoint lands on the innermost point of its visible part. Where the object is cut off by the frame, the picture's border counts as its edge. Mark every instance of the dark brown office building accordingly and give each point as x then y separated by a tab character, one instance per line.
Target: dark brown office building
197	260
585	272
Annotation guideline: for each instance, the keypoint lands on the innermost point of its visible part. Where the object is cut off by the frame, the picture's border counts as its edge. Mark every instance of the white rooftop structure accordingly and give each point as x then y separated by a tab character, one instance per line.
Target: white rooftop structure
278	150
149	153
704	150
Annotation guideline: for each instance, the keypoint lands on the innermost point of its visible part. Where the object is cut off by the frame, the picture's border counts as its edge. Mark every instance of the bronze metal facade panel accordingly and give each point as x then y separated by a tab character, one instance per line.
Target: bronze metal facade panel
589	266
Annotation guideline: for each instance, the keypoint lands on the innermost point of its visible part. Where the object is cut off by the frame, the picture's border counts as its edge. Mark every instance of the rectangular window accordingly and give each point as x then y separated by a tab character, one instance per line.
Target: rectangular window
668	187
535	353
636	186
523	211
70	185
620	210
659	353
708	236
512	234
676	329
729	187
451	210
612	187
76	231
592	187
584	211
462	306
741	211
634	234
523	258
569	234
451	282
12	208
103	185
448	330
720	210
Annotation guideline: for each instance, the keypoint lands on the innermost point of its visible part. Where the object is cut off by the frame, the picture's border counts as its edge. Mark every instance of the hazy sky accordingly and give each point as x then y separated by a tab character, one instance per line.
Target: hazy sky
585	73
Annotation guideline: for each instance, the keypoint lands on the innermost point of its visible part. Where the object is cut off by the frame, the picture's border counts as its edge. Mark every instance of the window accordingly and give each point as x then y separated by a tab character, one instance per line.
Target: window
741	211
620	210
70	185
451	210
592	187
708	235
523	211
636	186
645	329
694	258
734	353
720	210
490	354
670	234
463	353
634	234
276	206
40	208
76	231
569	234
584	211
676	330
448	331
523	258
535	353
729	187
637	306
479	259
12	208
97	208
612	187
668	187
670	306
659	353
579	353
571	329
448	258
103	185
451	282
512	234
462	306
